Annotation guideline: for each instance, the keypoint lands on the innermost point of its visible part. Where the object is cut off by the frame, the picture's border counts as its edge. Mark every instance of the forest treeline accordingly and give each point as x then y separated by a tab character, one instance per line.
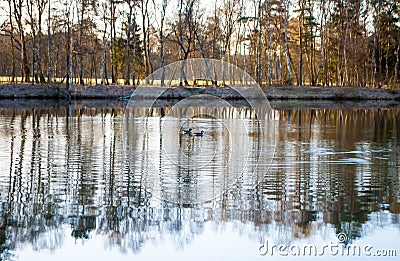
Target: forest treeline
302	42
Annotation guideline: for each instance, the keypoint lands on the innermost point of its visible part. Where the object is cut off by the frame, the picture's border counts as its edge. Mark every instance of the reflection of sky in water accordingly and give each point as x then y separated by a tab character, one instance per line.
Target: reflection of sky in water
225	243
334	171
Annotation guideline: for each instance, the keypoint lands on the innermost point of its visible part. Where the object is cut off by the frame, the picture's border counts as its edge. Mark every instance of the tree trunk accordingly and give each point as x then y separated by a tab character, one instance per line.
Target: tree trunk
323	37
386	63
104	79
30	5
270	32
375	48
95	68
69	52
346	37
396	69
150	64
127	48
144	11
113	33
24	59
301	49
70	65
41	7
80	51
301	24
164	7
34	59
50	61
12	42
287	42
134	50
181	42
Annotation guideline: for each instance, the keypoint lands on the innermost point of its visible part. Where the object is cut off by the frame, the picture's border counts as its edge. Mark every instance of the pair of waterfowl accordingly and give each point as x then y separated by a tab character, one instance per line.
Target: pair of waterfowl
190	133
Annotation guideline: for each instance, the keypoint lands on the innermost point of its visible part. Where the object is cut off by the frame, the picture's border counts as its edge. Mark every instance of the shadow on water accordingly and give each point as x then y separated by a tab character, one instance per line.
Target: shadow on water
63	170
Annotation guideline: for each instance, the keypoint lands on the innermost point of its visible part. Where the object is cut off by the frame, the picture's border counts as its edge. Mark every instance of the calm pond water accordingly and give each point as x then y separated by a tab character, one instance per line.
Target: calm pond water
78	182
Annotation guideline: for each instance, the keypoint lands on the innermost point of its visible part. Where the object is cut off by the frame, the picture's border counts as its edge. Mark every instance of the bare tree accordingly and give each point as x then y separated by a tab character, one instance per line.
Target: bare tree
183	33
259	49
131	5
163	9
134	75
68	13
230	14
41	7
81	8
336	42
36	17
50	52
18	16
144	8
270	35
104	78
113	18
322	32
286	3
375	48
32	16
301	21
12	31
396	70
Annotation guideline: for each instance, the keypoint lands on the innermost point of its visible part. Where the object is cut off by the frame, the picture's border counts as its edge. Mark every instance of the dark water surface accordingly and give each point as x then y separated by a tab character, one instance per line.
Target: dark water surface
68	191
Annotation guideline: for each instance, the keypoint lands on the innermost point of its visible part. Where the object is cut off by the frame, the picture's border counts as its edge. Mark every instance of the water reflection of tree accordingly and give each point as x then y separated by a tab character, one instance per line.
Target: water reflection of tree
344	198
69	168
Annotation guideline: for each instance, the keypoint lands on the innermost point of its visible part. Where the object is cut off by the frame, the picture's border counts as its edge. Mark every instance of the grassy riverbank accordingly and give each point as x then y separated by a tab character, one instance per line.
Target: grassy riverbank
120	105
59	91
